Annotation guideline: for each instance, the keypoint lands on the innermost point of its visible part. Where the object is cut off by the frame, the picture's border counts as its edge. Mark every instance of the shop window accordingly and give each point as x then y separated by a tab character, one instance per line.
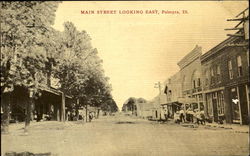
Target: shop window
221	105
209	104
230	69
239	64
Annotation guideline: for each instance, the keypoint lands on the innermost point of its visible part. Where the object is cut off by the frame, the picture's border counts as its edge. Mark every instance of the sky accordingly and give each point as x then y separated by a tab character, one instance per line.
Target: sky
138	50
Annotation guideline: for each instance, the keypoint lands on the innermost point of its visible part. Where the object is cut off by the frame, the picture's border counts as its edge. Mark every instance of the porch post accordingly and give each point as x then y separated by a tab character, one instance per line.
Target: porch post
248	103
239	102
63	108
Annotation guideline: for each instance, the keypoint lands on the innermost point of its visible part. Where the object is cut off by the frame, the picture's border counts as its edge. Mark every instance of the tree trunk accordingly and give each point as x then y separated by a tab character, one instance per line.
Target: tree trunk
28	114
6	113
86	113
98	112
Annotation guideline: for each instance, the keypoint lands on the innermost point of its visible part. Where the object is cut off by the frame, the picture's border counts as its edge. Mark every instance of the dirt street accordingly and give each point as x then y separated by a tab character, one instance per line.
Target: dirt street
123	136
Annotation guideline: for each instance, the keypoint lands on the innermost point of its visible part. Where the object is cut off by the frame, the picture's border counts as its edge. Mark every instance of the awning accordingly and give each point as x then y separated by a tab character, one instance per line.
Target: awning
177	103
187	100
53	91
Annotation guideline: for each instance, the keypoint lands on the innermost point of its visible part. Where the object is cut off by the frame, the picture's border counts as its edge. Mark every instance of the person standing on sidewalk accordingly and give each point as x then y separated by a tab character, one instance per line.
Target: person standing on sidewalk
166	113
182	116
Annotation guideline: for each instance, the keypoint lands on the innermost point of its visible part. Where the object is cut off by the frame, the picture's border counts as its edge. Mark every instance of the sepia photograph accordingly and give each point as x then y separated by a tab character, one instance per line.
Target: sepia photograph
125	78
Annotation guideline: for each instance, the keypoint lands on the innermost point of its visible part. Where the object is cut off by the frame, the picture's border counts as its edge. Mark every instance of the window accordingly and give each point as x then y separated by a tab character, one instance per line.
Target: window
194	85
218	70
239	64
198	82
212	72
221	105
212	75
218	73
230	69
207	77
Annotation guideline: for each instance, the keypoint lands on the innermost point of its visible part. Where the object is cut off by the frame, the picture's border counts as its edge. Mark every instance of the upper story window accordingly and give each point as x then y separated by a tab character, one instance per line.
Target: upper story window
230	69
218	73
207	77
198	82
194	84
218	70
239	65
212	75
212	72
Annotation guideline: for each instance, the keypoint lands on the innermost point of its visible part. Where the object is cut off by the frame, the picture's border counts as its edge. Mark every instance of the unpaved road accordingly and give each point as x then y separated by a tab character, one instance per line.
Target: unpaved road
123	136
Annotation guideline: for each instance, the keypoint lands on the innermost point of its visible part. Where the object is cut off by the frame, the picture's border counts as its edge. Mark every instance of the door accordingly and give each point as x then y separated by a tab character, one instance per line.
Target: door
235	106
215	109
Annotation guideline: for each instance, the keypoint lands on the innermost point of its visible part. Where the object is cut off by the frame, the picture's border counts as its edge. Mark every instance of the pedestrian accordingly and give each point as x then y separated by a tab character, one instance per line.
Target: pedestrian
90	117
166	113
202	116
196	116
177	117
190	115
162	116
182	116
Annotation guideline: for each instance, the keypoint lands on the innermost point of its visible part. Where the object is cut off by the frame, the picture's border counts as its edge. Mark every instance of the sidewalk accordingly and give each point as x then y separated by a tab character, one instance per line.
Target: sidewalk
18	128
236	127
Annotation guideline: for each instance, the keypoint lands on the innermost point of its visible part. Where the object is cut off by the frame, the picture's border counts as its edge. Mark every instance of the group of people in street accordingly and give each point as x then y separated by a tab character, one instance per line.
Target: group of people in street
181	115
73	116
190	115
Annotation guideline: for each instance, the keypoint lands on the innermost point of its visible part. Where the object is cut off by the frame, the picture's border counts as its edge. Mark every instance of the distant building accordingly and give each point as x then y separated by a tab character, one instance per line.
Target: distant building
173	93
144	110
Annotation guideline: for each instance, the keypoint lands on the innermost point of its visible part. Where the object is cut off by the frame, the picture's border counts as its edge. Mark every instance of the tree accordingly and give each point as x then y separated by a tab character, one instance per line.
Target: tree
141	100
24	26
80	69
130	104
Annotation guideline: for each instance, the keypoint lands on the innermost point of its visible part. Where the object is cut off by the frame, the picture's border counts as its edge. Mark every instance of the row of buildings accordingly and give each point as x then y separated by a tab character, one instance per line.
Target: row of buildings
216	82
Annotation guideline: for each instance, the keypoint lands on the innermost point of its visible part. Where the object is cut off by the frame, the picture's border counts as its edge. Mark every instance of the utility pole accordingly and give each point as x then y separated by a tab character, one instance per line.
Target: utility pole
242	27
158	85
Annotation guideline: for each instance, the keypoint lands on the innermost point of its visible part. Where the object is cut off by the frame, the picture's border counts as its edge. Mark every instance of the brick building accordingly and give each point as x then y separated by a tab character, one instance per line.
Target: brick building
225	70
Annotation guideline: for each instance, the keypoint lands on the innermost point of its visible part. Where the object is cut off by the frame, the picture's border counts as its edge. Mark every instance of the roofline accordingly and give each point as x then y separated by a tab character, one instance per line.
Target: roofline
217	48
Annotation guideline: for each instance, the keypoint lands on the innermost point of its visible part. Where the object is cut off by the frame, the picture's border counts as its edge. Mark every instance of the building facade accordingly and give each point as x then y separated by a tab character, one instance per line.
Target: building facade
225	70
190	78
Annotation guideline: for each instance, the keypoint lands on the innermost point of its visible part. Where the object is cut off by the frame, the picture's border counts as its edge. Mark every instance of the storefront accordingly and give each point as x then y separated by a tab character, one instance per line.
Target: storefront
215	105
238	100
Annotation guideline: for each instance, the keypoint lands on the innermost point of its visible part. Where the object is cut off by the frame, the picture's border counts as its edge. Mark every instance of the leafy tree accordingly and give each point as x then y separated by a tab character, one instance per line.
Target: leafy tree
31	48
24	27
80	69
141	100
130	104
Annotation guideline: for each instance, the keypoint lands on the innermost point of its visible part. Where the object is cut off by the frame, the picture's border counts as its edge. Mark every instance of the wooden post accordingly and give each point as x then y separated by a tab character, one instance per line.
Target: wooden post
6	113
86	112
239	102
63	108
77	109
248	103
28	112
